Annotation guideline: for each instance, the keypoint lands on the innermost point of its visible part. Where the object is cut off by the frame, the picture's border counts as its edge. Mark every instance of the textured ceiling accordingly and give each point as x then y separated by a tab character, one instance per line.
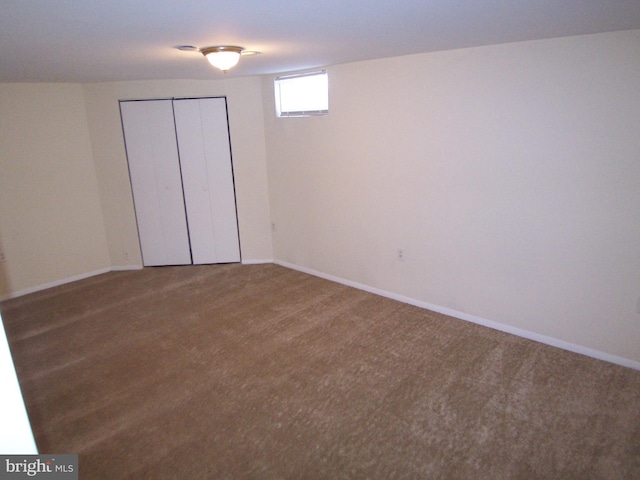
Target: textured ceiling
90	41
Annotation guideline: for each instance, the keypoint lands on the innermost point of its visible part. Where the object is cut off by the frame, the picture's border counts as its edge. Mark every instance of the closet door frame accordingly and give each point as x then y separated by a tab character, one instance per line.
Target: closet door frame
236	249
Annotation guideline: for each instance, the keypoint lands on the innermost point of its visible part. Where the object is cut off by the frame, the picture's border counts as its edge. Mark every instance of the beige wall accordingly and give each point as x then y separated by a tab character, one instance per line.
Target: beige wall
66	209
244	97
51	224
509	175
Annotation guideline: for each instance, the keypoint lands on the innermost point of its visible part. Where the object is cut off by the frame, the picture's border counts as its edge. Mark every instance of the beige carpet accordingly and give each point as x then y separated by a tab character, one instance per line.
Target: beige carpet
233	372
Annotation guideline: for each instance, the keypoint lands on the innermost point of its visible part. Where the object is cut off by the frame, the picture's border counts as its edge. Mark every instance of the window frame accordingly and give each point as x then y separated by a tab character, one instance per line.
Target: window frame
279	80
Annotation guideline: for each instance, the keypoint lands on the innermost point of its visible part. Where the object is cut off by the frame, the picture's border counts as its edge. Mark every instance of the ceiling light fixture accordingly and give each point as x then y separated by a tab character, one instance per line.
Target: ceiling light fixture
223	57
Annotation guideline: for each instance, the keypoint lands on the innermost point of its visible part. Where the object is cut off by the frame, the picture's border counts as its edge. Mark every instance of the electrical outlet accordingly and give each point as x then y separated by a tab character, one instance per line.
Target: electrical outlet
126	255
400	255
273	227
3	258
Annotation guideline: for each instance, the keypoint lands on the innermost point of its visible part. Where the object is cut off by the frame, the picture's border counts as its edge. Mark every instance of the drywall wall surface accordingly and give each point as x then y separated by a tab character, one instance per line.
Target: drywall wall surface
508	175
244	99
51	224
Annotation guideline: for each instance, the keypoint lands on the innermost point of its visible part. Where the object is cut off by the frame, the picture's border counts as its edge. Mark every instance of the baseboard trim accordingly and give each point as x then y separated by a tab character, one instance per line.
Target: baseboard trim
123	268
554	342
55	283
551	341
256	261
115	268
63	281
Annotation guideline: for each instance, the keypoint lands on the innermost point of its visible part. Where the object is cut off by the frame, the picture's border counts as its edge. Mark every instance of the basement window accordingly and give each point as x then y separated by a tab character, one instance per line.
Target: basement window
302	95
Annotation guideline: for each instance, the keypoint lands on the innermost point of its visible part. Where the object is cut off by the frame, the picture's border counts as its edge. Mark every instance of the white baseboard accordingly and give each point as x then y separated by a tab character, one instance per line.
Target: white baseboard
63	281
255	261
122	268
115	268
554	342
56	283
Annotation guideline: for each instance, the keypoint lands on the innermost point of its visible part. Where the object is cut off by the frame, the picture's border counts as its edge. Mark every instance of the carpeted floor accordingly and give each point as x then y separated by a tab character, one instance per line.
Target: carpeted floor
261	372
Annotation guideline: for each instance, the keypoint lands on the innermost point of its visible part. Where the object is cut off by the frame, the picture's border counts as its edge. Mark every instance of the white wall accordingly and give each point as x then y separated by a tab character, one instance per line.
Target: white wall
244	97
508	174
16	437
50	215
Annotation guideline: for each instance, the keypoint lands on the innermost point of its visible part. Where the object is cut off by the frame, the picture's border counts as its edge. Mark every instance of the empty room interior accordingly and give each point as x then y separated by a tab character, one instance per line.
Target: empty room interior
435	274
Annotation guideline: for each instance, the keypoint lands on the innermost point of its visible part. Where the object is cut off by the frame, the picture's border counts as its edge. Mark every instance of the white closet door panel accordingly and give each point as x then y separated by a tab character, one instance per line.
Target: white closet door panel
156	182
205	157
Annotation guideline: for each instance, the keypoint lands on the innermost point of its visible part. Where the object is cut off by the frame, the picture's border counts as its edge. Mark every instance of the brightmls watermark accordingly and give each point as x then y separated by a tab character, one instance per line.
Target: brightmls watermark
50	467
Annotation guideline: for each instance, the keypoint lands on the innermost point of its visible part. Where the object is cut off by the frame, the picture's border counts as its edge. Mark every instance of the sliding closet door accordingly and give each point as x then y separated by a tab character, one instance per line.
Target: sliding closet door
156	181
205	158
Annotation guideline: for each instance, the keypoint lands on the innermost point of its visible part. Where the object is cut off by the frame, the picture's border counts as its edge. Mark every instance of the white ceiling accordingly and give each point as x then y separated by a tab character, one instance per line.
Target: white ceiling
108	40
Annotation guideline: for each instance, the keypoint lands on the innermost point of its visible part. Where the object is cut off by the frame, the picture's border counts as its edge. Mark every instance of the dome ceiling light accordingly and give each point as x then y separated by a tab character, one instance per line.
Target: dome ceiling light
223	57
